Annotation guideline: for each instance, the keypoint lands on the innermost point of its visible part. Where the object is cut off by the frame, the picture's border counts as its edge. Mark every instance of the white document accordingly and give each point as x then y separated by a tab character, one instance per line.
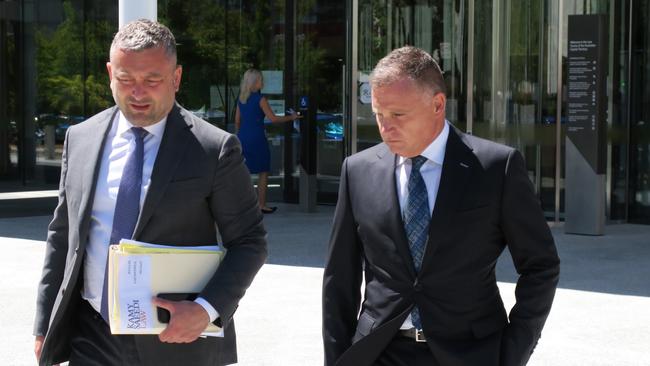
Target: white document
139	271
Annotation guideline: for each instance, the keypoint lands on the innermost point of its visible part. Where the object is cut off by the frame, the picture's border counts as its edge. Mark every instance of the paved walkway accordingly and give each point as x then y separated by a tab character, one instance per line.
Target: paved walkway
600	316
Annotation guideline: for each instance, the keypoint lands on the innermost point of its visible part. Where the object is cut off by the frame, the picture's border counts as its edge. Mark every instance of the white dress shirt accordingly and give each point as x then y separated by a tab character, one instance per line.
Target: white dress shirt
431	171
119	144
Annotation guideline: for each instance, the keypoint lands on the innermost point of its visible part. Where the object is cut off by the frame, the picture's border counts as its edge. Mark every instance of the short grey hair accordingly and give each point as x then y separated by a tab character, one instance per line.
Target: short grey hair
412	63
143	34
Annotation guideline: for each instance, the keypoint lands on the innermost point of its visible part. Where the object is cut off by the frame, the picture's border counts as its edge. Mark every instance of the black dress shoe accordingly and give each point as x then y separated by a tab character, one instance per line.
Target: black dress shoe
269	210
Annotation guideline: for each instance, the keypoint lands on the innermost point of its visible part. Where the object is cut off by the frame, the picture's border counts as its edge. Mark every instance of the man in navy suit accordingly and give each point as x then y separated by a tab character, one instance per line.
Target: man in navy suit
423	218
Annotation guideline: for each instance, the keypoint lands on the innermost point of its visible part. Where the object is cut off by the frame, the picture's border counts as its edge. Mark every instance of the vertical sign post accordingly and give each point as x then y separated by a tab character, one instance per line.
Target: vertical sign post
308	146
587	127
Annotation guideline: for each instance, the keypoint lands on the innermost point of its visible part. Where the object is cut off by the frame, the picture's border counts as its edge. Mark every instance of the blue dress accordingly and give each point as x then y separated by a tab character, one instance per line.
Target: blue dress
255	146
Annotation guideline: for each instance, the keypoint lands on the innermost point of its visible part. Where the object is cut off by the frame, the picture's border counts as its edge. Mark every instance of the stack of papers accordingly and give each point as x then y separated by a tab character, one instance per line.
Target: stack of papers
138	271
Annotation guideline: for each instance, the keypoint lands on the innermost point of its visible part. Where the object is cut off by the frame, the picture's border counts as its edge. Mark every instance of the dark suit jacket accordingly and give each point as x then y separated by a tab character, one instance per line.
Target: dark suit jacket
485	201
199	185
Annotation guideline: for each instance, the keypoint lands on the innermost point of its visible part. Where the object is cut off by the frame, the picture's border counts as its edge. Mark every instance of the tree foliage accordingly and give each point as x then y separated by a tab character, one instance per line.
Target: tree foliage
63	56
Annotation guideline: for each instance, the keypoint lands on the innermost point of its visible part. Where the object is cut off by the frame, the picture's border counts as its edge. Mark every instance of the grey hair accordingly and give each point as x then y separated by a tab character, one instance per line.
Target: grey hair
143	34
412	63
248	81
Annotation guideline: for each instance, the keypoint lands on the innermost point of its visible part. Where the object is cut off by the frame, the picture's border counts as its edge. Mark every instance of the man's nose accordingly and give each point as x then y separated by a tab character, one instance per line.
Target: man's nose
385	121
138	90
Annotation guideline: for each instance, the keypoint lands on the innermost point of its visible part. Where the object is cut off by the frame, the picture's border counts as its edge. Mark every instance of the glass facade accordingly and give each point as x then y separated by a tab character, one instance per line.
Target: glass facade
52	75
437	26
217	42
298	47
505	64
512	57
639	119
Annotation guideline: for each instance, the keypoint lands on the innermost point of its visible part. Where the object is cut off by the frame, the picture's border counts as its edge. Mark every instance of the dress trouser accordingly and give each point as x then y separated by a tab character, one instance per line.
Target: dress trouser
93	344
403	351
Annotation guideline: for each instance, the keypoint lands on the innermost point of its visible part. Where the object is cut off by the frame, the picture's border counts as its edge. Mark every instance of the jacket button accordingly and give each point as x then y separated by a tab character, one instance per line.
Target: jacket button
62	291
417	286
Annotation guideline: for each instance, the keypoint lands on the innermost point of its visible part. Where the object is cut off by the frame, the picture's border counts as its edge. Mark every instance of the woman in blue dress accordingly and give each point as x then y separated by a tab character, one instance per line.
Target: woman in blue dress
252	107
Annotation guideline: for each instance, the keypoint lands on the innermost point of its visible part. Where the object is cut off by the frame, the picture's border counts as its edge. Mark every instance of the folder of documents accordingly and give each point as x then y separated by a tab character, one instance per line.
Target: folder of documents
138	271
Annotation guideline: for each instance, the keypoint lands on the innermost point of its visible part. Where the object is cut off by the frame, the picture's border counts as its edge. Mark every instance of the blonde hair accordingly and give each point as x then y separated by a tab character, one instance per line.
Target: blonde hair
248	81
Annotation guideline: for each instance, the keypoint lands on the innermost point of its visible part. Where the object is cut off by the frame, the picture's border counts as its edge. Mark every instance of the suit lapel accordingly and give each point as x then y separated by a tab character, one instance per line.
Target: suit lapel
170	153
386	167
456	170
93	147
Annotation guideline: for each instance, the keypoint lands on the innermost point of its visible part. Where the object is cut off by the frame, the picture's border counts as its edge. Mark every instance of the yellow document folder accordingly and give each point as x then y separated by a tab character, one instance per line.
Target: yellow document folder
138	271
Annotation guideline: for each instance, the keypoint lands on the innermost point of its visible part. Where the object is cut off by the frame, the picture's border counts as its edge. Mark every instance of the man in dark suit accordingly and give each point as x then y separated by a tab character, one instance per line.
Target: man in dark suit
146	169
423	218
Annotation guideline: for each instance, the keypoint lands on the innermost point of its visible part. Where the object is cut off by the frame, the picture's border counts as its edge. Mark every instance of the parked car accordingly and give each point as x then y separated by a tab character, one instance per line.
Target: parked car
329	126
62	127
61	123
39	134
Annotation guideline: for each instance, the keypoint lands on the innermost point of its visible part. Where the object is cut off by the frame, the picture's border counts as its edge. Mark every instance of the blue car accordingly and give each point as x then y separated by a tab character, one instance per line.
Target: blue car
63	125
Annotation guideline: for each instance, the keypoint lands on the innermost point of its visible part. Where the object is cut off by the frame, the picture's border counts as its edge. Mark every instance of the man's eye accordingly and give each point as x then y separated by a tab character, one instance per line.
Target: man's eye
153	82
125	81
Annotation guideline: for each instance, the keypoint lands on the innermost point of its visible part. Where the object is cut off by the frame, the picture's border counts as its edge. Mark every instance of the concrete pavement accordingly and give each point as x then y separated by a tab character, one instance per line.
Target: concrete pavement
600	315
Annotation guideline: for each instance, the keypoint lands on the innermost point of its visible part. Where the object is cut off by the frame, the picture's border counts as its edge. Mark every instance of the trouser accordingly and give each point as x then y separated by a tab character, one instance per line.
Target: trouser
403	351
93	344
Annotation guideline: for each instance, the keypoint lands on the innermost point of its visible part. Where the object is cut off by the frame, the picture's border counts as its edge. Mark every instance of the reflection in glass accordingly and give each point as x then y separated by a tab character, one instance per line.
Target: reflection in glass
217	42
320	72
8	111
640	116
55	66
515	88
437	26
72	82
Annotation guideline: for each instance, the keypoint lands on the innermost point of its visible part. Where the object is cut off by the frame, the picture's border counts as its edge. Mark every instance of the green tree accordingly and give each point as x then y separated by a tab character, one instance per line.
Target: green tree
61	85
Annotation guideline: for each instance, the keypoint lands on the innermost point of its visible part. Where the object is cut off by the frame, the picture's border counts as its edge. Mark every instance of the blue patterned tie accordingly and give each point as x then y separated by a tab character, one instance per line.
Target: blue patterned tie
416	221
127	204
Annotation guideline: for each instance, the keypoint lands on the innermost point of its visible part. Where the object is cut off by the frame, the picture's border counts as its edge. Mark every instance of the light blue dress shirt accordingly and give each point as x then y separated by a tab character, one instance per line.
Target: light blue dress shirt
119	143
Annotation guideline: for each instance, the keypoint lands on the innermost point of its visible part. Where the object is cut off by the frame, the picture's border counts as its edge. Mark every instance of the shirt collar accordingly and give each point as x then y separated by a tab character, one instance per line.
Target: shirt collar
155	129
435	152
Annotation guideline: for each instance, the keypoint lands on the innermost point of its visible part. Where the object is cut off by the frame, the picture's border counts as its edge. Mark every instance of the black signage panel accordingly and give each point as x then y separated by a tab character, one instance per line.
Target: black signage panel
587	87
308	135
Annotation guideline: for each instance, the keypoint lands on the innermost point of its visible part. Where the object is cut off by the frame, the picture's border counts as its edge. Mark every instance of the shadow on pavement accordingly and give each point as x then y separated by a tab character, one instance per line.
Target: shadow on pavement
296	238
31	228
616	263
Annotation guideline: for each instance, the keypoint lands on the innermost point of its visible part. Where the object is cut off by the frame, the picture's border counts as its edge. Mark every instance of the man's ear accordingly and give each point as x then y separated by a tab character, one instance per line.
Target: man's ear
177	76
439	103
109	68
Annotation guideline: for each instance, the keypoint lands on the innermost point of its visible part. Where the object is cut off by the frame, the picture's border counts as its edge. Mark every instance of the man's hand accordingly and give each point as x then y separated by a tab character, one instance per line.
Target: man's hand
38	348
187	320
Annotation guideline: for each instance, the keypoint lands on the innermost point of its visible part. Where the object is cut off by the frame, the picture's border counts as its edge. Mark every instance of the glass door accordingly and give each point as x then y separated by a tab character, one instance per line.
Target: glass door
52	75
639	195
8	125
320	69
437	26
515	84
299	46
217	42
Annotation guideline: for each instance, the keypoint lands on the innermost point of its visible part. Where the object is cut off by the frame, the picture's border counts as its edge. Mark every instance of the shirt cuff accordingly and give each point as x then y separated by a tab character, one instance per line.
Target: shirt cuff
206	305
